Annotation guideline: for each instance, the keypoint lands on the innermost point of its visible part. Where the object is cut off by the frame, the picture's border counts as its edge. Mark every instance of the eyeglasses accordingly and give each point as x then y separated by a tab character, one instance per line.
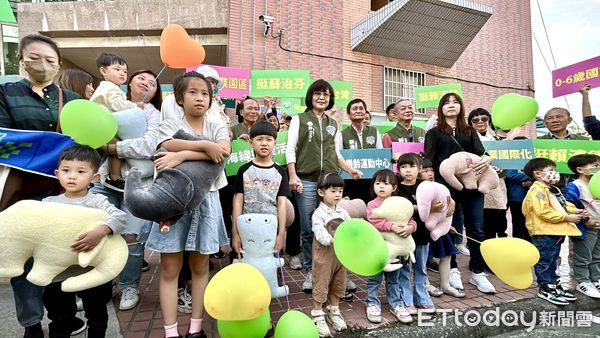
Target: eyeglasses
482	119
319	94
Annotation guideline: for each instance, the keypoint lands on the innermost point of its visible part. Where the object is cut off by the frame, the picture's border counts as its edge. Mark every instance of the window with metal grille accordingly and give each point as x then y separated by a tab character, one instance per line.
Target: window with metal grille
400	83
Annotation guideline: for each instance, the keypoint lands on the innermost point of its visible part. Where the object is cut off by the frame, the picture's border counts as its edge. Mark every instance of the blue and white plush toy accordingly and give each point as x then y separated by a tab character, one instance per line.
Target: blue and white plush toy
132	124
258	233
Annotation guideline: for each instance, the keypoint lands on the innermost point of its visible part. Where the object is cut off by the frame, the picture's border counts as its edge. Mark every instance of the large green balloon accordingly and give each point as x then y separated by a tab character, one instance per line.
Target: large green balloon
595	186
295	324
513	110
252	328
360	247
88	123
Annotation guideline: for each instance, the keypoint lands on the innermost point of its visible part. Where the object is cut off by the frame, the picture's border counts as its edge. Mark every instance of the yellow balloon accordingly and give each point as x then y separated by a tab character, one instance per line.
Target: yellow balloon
237	292
511	259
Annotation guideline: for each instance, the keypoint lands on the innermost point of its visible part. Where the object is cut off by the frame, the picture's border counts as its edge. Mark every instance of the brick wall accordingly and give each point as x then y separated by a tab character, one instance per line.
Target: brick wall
500	54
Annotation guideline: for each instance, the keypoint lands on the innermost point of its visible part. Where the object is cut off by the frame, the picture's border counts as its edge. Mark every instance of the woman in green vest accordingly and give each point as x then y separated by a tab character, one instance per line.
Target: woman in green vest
313	148
358	135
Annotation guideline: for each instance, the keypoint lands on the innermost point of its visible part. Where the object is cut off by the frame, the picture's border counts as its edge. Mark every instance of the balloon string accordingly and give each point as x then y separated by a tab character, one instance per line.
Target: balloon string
155	79
287	299
474	240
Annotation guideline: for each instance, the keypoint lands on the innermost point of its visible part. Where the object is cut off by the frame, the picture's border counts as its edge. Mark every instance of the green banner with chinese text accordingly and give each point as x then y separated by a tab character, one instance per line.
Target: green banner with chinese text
560	151
429	96
279	83
242	153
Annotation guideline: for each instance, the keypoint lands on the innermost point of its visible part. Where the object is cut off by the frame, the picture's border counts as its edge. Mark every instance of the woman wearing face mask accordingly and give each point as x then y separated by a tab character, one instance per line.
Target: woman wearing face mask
32	104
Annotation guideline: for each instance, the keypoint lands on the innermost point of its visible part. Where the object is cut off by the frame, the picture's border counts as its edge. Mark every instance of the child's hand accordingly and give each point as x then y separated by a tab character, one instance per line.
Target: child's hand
451	207
405	230
396	228
279	242
453	230
592	224
169	159
573	218
437	207
236	242
87	241
215	152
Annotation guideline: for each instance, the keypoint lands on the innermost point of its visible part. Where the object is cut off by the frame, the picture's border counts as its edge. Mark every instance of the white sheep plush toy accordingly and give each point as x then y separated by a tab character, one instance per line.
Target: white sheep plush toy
397	210
46	231
258	233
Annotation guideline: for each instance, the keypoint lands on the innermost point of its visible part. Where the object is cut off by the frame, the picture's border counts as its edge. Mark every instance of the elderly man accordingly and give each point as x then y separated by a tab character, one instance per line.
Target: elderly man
557	120
249	112
404	130
359	135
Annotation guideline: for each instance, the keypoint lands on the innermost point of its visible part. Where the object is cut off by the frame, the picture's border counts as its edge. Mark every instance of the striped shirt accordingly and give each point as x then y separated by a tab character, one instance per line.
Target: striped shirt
22	108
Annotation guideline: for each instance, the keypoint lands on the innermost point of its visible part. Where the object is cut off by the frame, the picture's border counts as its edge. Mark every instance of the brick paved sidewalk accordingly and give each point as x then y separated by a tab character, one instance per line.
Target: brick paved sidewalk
145	320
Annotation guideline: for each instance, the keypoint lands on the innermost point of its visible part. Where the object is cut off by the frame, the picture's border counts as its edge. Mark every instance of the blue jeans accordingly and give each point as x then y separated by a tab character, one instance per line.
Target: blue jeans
130	276
549	248
307	203
392	289
471	202
28	298
419	289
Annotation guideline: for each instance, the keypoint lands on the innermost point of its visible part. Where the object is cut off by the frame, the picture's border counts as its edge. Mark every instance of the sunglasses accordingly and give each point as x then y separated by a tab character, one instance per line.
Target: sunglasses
481	119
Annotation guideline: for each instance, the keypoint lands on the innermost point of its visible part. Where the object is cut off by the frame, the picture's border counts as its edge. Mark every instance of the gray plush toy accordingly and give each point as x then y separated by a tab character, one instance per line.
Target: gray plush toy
174	191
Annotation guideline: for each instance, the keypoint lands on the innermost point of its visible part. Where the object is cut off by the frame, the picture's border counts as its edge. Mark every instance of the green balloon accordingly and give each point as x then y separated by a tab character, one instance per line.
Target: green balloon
88	123
595	186
513	110
252	328
295	324
360	247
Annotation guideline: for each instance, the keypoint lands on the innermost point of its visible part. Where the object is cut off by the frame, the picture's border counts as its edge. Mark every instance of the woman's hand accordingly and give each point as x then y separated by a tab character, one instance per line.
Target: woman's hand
295	184
482	165
356	174
165	160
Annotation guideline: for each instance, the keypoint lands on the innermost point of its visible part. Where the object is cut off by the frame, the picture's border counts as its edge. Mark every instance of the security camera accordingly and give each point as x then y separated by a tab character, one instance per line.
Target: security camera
266	19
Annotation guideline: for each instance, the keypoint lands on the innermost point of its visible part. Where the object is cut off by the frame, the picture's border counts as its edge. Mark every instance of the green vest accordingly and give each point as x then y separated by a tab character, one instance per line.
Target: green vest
315	150
238	130
400	134
350	138
569	137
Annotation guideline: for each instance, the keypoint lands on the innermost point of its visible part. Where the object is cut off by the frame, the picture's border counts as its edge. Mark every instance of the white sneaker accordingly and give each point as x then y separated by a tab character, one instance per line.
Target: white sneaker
463	249
588	289
454	279
129	299
481	282
350	286
184	300
295	263
402	314
307	285
334	317
318	317
373	313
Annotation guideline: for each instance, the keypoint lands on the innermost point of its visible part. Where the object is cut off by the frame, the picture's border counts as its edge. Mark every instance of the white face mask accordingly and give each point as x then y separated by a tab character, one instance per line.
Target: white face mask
551	177
591	171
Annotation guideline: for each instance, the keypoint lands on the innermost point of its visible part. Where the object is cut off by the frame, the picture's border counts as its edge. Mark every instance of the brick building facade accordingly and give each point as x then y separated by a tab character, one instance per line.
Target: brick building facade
500	54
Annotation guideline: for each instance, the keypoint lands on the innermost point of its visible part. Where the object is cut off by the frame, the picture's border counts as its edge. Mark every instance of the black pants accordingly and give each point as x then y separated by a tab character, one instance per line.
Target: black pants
494	223
518	221
62	309
292	237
